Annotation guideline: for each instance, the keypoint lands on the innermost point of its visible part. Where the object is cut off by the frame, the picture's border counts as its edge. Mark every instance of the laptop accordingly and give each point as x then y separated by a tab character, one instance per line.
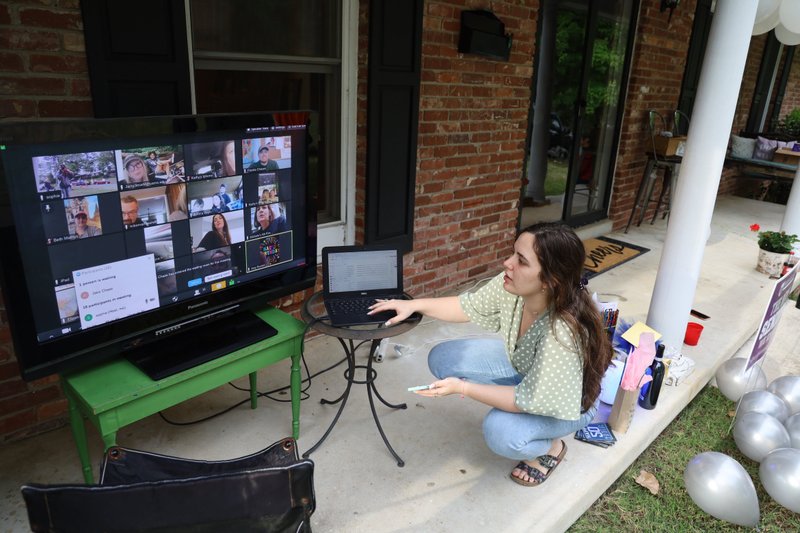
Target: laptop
353	277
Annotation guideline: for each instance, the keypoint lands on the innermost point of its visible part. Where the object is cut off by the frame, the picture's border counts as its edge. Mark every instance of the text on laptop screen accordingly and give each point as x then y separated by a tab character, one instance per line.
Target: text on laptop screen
362	271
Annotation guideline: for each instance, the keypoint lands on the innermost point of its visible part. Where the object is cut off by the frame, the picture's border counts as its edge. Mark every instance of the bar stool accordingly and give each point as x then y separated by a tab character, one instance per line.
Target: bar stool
651	175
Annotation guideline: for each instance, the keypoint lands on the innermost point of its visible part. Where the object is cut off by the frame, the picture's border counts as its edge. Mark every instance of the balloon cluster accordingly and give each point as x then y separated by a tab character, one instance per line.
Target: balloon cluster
766	430
781	15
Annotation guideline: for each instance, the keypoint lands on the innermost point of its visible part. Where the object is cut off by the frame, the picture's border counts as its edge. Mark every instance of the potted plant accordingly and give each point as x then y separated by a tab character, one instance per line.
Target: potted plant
774	249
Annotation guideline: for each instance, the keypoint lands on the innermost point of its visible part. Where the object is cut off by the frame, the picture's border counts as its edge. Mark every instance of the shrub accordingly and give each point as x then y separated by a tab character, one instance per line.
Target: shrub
790	124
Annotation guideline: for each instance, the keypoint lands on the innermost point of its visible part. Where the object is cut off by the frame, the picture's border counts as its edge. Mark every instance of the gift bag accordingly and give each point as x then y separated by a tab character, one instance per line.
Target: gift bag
270	490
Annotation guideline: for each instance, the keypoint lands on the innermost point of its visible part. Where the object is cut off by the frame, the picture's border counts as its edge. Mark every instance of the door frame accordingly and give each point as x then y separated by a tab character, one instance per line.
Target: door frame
601	212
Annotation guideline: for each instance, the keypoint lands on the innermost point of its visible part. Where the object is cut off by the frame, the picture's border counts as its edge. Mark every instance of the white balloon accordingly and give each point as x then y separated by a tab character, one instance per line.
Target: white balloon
733	381
788	388
780	474
786	36
720	486
767	24
792	426
767	8
757	434
763	401
790	16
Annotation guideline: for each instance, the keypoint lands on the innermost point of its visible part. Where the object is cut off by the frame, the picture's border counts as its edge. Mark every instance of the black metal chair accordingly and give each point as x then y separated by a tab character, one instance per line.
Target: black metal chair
680	123
655	162
271	490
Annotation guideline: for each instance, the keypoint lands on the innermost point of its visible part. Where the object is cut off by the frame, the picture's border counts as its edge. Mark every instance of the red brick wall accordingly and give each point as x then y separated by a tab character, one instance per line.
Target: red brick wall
791	98
42	74
472	128
42	60
655	83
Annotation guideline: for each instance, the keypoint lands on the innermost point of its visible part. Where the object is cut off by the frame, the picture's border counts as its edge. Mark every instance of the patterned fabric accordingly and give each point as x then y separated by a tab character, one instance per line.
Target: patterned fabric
765	149
742	147
546	356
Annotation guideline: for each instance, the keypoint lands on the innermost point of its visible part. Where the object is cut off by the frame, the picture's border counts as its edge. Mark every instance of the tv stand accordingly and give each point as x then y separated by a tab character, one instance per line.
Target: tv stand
199	344
115	394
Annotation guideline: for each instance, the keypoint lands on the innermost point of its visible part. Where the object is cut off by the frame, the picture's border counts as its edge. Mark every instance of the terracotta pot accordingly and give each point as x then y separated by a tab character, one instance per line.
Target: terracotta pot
770	263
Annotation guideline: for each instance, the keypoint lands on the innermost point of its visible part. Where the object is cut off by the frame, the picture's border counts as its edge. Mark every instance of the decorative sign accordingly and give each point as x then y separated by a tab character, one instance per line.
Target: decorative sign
772	315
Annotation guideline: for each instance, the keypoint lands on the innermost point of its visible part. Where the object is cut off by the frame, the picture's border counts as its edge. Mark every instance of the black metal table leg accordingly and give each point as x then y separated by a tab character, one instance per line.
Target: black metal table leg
351	366
371	375
314	313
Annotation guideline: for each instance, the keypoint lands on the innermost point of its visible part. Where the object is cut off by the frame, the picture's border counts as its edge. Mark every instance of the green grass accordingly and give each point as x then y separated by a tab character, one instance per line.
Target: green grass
702	426
555	183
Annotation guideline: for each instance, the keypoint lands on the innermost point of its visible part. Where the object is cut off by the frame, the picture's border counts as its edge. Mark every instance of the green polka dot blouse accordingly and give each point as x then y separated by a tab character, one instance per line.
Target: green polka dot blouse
547	357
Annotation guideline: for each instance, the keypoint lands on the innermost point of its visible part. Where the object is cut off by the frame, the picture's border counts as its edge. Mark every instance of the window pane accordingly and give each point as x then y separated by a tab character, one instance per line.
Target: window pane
231	91
274	27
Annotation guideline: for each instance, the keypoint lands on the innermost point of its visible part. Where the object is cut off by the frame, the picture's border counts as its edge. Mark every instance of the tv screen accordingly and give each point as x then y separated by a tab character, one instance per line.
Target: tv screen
118	233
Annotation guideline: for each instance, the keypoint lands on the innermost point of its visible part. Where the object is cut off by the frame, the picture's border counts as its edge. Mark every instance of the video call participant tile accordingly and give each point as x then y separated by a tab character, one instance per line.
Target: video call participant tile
211	160
218	195
266	154
147	207
268	251
80	217
79	174
154	165
269	218
217	230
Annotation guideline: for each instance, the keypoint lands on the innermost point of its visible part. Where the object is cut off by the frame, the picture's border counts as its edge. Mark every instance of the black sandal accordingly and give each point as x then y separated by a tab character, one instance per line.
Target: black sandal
536	476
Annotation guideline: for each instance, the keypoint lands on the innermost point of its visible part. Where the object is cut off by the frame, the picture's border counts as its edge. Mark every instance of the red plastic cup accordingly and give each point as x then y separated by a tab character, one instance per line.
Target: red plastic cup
693	331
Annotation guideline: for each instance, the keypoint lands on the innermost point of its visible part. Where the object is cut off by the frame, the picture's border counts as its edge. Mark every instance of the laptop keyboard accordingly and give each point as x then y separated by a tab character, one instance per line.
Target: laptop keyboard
349	306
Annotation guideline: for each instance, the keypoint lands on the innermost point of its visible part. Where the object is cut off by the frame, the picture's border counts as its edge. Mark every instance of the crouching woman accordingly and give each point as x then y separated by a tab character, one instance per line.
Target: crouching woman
542	378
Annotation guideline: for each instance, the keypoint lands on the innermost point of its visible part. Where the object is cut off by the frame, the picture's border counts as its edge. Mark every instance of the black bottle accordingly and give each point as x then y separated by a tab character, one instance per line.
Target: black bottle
648	397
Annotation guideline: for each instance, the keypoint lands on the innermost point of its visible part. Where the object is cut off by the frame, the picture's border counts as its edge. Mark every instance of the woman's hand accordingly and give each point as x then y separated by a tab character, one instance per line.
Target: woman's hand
444	387
402	308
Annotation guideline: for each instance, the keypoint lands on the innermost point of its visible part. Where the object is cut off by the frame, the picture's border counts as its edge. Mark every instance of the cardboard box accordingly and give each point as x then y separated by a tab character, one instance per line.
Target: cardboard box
622	410
667	146
786	156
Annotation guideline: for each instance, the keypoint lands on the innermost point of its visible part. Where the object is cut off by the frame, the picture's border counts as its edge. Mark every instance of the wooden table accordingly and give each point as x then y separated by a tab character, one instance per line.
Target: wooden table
115	394
786	156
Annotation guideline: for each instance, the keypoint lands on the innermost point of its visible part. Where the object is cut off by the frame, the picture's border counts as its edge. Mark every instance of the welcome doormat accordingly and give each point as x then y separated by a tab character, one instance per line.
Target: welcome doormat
603	253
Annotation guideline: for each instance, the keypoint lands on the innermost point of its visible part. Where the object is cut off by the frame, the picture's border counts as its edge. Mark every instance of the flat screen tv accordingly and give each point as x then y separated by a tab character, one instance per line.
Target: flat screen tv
152	238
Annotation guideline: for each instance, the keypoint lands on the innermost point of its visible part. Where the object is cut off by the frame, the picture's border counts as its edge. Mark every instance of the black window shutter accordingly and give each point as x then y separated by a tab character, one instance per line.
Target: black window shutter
395	43
780	90
758	108
138	57
694	57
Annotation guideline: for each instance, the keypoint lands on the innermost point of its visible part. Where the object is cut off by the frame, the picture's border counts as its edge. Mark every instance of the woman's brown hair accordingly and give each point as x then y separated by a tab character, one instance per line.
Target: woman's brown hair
561	255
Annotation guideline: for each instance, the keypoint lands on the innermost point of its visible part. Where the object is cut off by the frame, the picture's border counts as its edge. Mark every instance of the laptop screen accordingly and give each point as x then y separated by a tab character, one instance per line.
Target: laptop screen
362	270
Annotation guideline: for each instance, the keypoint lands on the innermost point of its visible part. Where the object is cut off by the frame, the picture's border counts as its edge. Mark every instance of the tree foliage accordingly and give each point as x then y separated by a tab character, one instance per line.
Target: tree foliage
607	58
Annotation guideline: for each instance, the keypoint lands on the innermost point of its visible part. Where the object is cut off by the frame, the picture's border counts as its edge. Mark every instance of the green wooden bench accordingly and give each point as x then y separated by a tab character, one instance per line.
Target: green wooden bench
761	169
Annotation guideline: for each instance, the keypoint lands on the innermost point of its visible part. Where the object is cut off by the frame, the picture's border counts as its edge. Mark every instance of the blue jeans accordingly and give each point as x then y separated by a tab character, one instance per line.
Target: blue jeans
518	436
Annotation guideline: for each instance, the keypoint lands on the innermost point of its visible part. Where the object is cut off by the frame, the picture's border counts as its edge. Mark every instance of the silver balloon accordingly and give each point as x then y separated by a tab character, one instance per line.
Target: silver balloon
780	474
757	434
733	381
788	388
792	425
720	486
763	401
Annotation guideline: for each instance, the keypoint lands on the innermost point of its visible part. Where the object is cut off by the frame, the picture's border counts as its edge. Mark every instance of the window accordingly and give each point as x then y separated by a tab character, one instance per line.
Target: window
281	55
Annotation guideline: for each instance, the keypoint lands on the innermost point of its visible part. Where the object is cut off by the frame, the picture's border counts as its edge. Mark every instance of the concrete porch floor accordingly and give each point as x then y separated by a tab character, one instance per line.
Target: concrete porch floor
451	481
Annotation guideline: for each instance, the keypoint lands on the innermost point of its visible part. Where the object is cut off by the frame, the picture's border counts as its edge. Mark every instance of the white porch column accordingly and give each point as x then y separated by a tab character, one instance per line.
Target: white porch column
693	201
540	137
791	217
